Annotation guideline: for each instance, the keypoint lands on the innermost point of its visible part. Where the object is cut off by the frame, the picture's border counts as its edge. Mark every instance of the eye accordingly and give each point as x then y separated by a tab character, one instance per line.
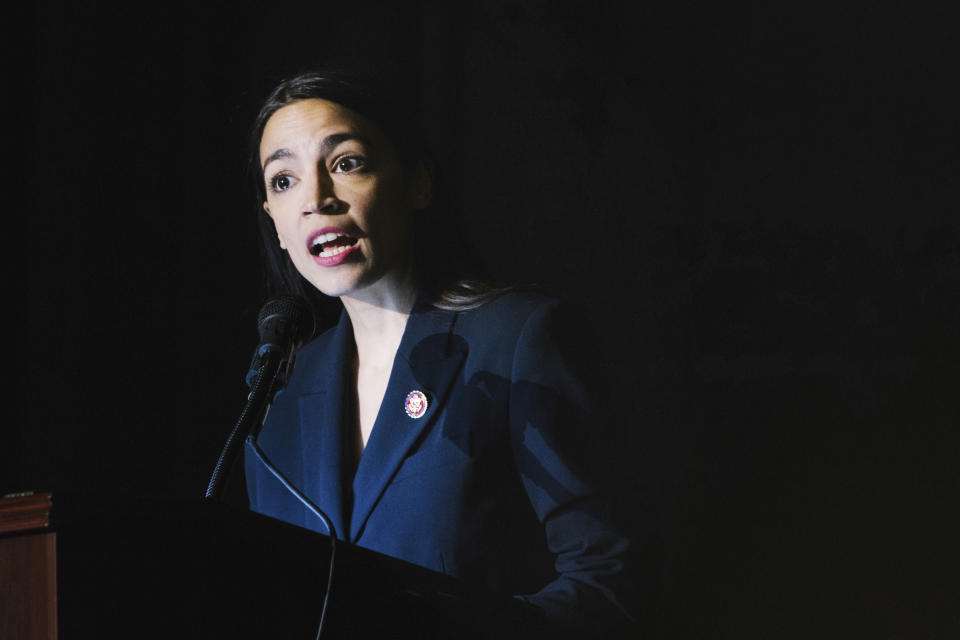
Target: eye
280	182
348	164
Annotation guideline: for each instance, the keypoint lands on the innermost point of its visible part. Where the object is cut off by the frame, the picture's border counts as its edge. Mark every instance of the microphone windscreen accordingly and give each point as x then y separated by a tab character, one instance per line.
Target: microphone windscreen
285	319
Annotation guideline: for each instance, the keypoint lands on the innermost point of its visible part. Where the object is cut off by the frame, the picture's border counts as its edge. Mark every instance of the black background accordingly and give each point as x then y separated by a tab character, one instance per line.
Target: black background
756	208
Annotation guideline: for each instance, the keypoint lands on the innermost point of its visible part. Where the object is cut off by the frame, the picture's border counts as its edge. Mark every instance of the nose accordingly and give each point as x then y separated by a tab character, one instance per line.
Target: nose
322	198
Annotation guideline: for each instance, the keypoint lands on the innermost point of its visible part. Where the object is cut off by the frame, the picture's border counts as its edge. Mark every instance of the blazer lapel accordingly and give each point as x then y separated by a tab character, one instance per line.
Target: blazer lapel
325	433
427	360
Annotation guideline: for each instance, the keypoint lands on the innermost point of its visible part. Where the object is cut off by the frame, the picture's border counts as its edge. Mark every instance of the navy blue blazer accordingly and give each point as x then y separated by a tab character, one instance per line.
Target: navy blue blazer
487	485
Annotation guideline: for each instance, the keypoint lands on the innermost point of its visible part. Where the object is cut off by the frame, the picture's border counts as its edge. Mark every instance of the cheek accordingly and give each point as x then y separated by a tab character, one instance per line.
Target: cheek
385	203
387	214
282	224
281	235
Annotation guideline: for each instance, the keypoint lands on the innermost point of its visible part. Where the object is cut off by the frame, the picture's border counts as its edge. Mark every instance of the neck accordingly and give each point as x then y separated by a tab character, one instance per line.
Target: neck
379	317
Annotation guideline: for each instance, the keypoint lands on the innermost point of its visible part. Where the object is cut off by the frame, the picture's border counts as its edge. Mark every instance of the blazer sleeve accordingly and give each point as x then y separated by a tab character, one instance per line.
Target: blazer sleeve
559	455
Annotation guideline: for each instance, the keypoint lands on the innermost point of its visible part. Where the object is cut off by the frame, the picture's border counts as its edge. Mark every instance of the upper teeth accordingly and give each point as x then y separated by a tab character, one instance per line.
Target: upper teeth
326	237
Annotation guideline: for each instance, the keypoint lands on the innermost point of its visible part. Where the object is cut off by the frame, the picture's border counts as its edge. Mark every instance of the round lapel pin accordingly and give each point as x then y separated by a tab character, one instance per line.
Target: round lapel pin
415	404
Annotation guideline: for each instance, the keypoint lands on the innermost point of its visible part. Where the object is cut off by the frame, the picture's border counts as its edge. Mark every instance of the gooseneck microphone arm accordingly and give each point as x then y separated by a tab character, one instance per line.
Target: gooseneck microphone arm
251	417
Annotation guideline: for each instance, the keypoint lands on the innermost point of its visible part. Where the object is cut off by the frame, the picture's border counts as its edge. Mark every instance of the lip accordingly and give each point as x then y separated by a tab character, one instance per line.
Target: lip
331	261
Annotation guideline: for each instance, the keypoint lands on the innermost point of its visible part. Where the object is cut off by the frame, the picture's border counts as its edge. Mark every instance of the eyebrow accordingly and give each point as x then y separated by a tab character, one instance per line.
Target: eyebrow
326	146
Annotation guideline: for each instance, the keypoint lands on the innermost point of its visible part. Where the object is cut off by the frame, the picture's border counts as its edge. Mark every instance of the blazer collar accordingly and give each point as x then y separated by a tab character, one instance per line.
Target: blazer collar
427	360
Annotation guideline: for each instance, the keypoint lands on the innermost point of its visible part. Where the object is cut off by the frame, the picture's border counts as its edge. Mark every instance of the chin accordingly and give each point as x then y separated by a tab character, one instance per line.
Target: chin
343	280
333	291
337	287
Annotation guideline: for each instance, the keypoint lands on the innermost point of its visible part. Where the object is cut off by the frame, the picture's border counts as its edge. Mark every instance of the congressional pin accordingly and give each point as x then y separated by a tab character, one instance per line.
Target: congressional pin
416	404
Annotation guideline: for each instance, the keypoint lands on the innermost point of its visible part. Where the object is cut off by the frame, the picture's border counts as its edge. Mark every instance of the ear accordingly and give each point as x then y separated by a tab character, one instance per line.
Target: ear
266	207
421	186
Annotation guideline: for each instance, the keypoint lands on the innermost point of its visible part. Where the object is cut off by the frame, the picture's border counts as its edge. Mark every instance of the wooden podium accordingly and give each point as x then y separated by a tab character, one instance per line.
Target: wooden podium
28	568
164	569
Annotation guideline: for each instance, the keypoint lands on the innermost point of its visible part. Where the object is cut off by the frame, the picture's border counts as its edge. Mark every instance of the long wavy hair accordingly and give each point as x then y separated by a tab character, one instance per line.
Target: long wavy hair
440	258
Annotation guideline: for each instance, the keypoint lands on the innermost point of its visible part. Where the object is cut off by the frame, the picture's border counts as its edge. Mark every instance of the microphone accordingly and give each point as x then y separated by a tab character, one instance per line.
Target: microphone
283	323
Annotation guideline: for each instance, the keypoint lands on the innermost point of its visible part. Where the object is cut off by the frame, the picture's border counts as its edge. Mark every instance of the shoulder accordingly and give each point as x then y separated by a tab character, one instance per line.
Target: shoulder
523	335
318	345
508	314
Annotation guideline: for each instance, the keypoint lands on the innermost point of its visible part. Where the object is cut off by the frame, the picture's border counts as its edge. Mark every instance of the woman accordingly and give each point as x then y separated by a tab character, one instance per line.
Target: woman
435	422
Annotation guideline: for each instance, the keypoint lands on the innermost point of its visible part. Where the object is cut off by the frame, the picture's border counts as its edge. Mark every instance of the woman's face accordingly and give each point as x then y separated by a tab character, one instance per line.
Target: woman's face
338	196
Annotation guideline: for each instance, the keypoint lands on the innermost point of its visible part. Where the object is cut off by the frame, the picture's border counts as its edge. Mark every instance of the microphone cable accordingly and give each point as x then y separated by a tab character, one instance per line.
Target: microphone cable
317	511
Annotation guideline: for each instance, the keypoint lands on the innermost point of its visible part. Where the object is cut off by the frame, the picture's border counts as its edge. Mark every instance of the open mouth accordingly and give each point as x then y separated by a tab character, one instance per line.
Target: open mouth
327	245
